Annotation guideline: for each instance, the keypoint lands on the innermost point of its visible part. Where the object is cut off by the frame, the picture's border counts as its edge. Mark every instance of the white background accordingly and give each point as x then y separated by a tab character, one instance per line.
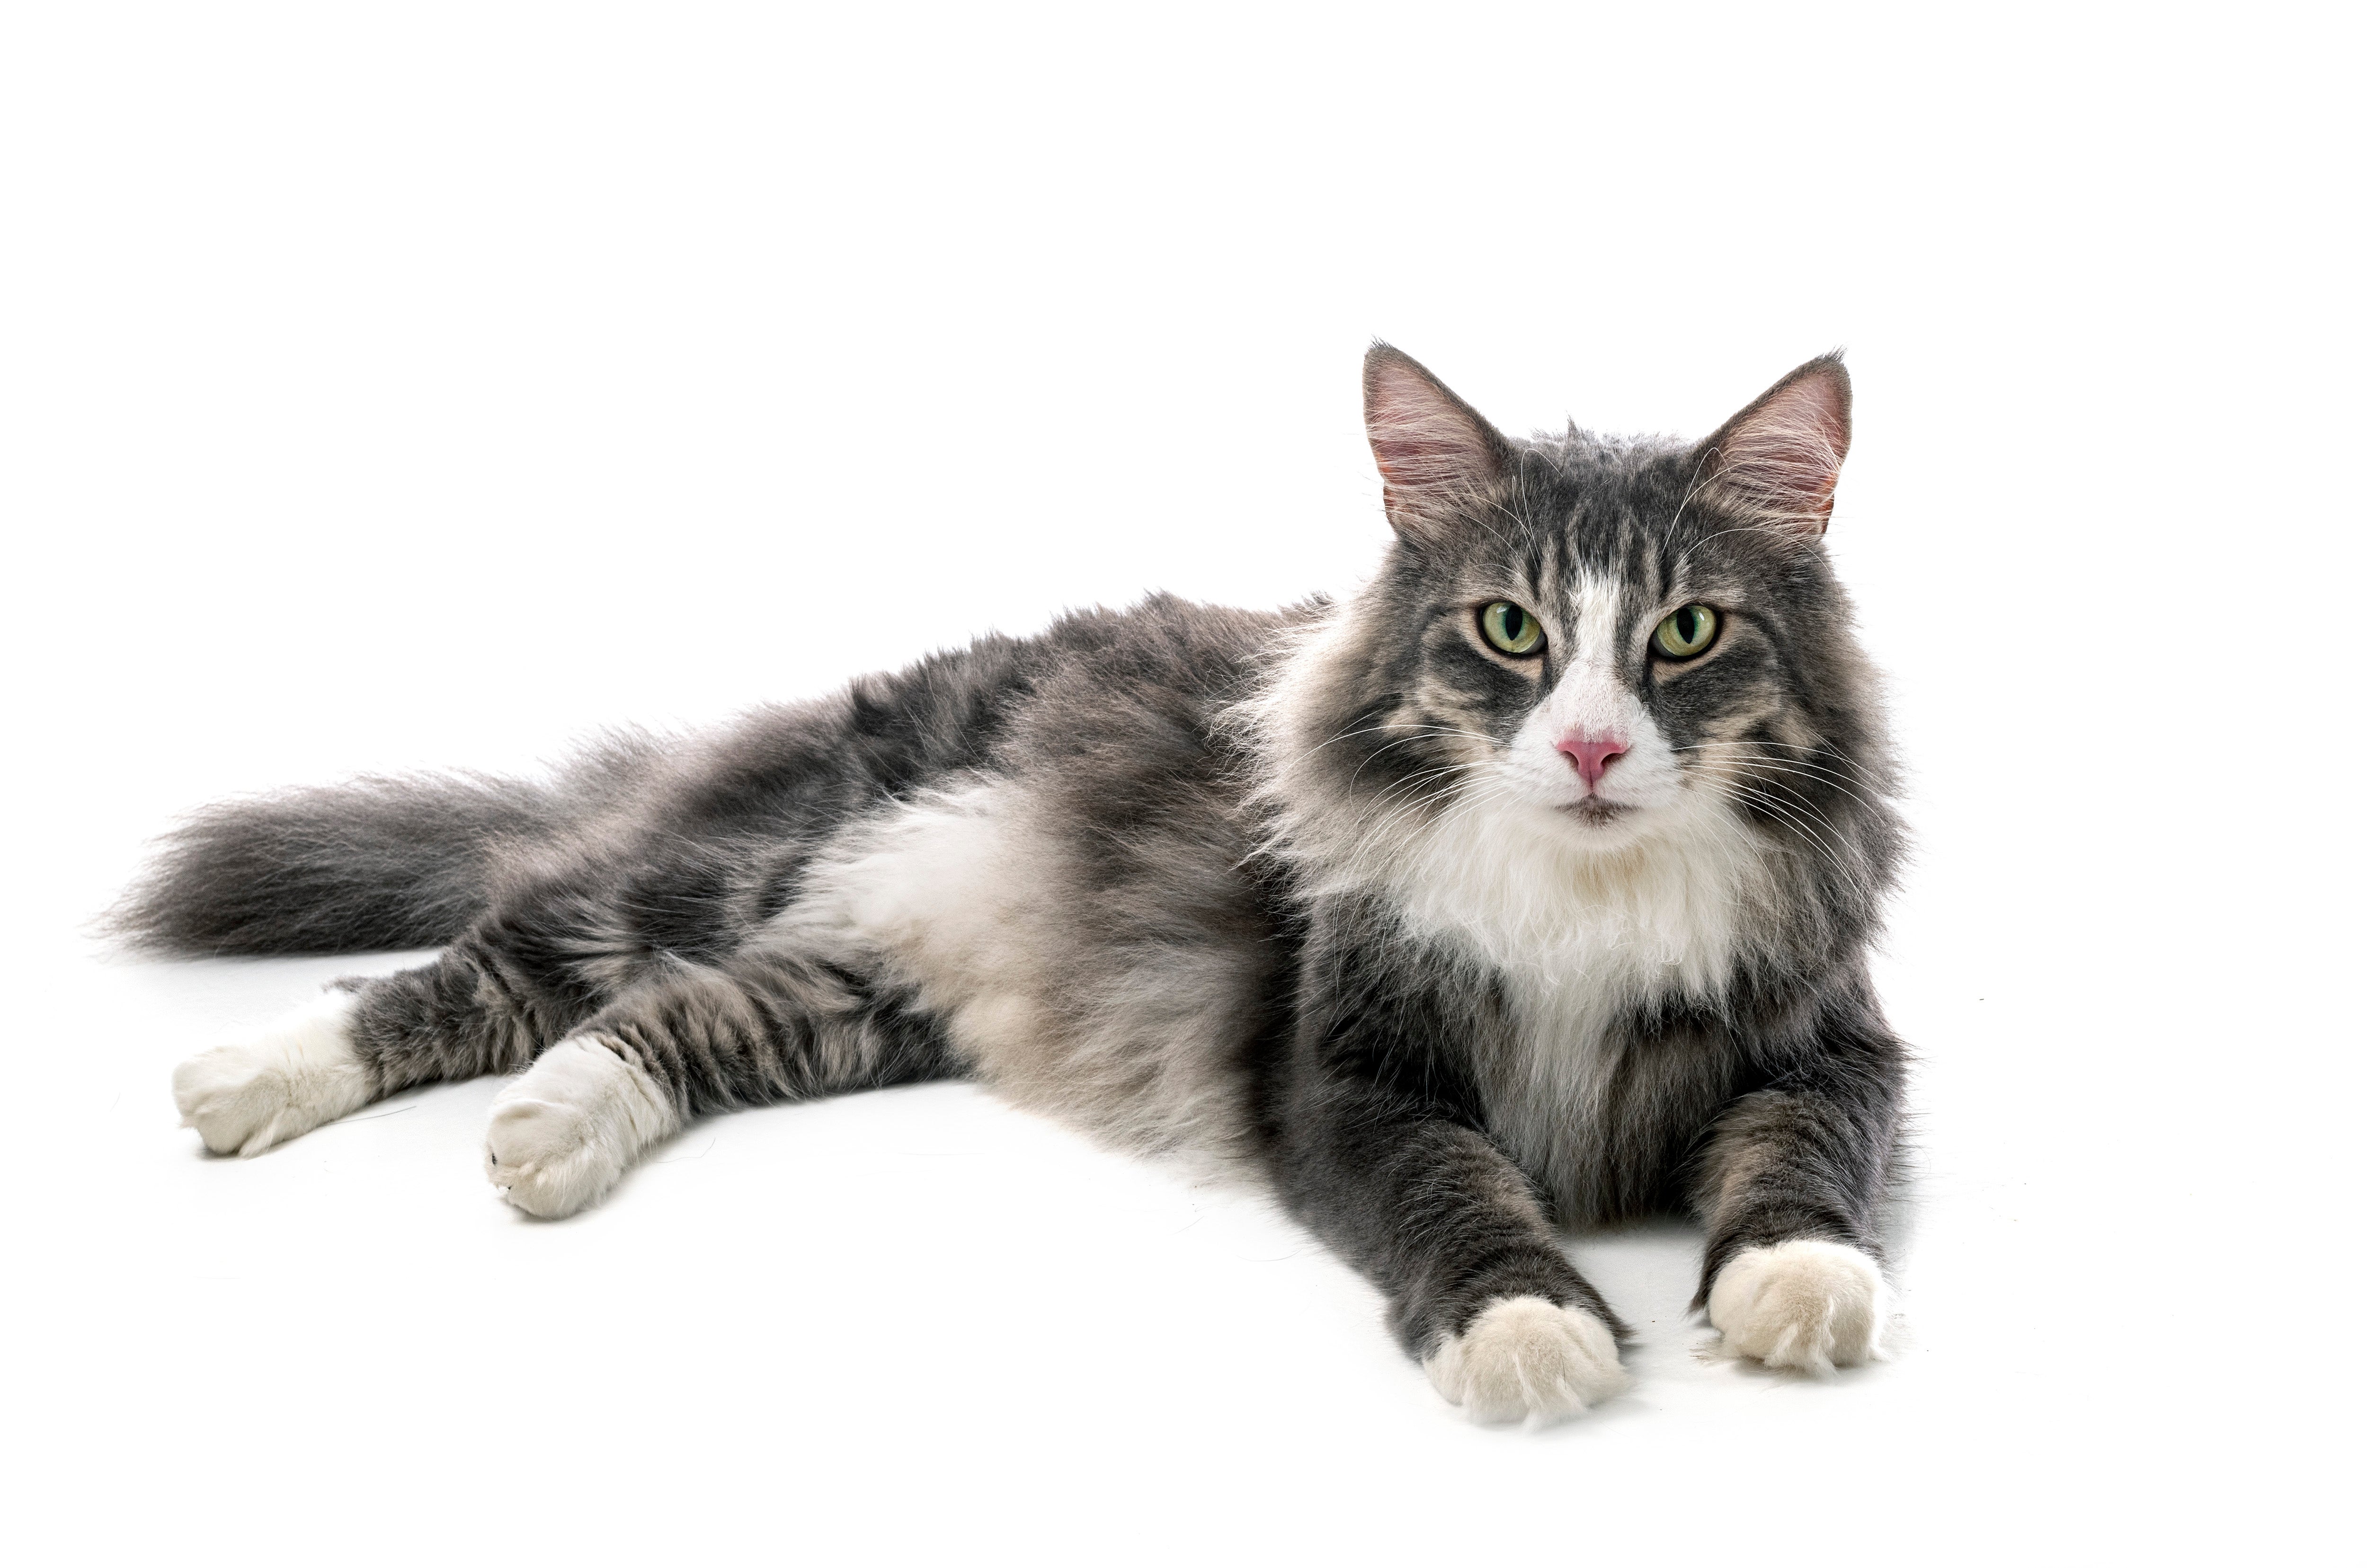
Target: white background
404	386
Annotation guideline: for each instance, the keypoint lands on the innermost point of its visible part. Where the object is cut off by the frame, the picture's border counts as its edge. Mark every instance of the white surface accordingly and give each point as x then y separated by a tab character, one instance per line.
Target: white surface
427	388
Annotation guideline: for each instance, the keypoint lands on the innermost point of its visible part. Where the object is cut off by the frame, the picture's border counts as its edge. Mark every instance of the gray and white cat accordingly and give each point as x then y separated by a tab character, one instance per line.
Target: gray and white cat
1530	886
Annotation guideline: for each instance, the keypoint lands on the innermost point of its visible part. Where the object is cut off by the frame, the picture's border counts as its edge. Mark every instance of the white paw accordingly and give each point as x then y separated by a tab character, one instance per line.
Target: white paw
567	1129
242	1099
1525	1358
1810	1304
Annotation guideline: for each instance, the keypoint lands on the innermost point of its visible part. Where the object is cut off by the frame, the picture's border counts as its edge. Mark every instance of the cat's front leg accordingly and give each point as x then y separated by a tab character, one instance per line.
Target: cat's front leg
1480	1289
1379	1149
1790	1189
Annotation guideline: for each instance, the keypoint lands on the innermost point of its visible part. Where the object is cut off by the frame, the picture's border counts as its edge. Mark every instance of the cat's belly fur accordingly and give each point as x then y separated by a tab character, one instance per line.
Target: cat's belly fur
1122	998
1116	994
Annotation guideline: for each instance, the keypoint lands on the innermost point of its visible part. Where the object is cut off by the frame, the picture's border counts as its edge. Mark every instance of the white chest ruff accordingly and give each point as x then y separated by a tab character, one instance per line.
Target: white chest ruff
1580	938
1525	893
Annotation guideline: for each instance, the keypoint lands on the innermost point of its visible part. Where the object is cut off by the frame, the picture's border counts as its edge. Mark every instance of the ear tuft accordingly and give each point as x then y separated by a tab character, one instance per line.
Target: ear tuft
1777	461
1436	455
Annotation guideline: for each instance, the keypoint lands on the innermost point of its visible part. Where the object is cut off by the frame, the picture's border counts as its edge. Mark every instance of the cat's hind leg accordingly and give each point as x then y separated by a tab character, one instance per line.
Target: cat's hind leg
486	1005
759	1027
290	1078
563	1132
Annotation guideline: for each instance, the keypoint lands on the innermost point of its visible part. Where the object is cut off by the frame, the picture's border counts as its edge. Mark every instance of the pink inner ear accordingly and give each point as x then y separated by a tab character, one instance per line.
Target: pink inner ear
1425	439
1780	458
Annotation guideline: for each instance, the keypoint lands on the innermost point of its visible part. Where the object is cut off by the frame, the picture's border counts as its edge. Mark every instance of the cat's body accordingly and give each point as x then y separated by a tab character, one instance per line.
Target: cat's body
1351	896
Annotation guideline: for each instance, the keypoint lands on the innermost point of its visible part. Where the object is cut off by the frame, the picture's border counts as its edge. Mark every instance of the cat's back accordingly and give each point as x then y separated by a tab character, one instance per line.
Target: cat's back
1098	699
1148	682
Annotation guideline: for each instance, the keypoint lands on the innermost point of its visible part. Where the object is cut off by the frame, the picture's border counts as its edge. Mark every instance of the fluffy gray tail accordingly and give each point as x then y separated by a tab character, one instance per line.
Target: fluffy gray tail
364	866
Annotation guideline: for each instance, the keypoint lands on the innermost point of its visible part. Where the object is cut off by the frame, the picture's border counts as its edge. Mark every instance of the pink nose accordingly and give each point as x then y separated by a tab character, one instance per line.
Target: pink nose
1592	754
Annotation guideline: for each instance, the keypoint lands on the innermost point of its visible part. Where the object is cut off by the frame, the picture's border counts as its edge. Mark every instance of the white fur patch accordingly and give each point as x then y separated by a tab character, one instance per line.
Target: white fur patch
1521	888
563	1131
967	897
1525	1358
1813	1305
244	1098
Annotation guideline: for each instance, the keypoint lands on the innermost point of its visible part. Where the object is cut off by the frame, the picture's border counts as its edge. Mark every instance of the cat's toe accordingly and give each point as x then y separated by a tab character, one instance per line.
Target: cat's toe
244	1098
562	1134
1525	1358
1811	1305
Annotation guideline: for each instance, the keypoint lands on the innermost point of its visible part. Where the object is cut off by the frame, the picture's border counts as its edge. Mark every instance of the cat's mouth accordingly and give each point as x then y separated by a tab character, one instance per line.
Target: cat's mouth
1597	811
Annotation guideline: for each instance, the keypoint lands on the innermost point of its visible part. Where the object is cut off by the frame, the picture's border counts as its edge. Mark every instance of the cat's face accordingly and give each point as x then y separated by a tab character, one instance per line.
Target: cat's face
1612	637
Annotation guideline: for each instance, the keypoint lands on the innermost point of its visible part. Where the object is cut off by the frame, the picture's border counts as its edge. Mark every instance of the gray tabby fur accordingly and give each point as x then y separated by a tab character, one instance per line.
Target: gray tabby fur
1283	890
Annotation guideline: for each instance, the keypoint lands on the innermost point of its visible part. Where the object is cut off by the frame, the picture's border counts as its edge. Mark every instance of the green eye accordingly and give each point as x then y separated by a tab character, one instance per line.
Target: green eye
1687	632
1511	629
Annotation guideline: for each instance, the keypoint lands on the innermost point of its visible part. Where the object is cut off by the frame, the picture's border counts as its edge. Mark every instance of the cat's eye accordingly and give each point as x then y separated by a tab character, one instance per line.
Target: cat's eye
1511	629
1686	632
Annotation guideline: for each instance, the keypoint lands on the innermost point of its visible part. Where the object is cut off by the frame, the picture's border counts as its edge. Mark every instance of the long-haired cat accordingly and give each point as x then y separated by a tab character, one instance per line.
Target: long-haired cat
1529	886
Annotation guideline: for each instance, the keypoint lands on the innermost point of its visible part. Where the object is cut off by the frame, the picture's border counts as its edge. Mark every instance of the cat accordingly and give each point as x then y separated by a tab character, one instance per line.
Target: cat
1529	886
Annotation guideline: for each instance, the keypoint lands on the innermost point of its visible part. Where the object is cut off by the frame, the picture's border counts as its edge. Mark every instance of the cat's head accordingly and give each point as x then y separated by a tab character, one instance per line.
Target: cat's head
1603	642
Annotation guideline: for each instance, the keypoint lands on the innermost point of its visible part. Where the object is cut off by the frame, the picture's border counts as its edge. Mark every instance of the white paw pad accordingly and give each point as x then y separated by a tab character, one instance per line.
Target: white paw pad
564	1132
1526	1358
1814	1305
242	1099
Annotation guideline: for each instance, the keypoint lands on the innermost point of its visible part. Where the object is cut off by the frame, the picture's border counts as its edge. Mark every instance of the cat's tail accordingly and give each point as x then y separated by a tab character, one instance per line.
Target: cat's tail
368	865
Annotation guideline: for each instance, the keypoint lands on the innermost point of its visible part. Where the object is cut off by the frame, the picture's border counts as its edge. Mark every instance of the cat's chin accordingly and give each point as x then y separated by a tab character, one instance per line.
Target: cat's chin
1599	815
1594	825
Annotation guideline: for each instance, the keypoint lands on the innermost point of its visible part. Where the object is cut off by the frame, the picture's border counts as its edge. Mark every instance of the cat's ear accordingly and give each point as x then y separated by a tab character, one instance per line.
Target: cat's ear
1777	461
1436	455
